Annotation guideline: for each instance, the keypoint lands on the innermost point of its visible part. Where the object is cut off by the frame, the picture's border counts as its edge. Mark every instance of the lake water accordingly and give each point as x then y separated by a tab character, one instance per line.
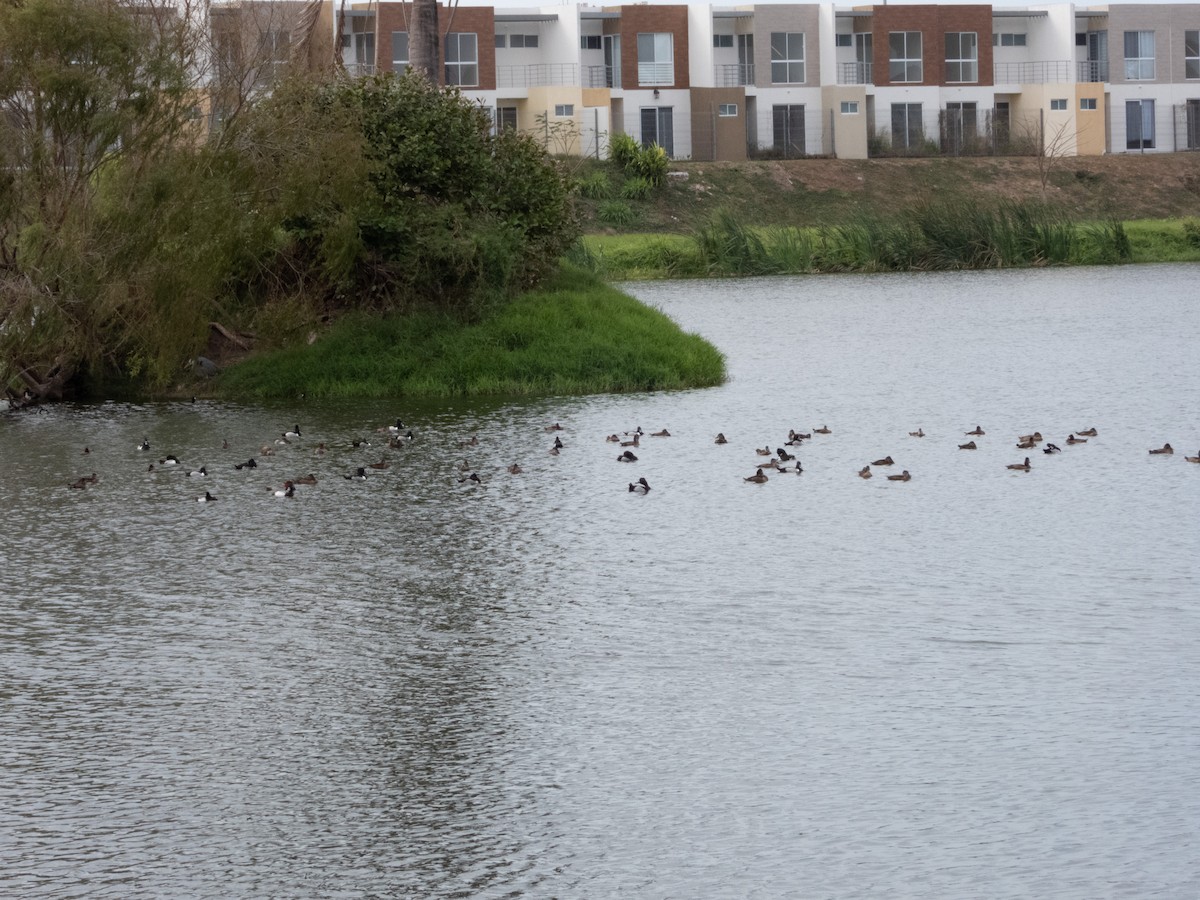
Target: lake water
977	683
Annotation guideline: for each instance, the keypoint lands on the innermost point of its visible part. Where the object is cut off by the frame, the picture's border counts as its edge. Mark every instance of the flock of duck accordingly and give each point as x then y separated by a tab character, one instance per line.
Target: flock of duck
778	461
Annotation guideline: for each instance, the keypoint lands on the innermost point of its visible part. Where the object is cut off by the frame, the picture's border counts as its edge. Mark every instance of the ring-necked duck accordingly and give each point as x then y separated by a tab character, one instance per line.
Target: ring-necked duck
757	478
1021	467
886	461
1164	449
903	476
969	445
627	456
641	486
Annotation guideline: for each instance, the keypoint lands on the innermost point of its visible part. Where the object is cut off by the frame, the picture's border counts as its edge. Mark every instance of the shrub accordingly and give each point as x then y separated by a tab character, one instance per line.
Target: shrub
636	188
623	150
651	164
1191	232
616	212
595	186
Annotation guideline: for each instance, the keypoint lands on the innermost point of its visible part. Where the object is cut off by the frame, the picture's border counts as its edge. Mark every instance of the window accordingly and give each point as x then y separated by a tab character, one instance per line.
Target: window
1008	39
726	110
361	55
462	58
1087	102
843	40
501	41
1057	105
904	61
787	58
276	47
656	59
506	118
849	107
399	51
1191	54
523	40
1139	55
723	40
907	132
589	42
1139	124
788	126
564	110
960	126
962	57
658	128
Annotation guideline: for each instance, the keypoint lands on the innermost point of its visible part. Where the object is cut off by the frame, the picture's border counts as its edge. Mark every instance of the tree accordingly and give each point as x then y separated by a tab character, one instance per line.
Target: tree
424	39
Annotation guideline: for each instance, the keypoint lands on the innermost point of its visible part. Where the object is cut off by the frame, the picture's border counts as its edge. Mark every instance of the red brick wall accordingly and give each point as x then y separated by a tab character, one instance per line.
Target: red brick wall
933	22
478	19
637	20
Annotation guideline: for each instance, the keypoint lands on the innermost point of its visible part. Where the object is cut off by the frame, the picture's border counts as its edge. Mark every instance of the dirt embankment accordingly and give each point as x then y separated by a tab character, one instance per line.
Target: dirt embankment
826	191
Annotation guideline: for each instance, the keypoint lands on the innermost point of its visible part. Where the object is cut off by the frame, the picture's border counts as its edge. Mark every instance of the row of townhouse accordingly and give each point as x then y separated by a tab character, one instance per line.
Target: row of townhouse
711	82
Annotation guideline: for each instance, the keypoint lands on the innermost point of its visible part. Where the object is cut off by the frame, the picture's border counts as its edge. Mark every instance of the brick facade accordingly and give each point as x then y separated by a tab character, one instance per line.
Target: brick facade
637	20
934	22
479	20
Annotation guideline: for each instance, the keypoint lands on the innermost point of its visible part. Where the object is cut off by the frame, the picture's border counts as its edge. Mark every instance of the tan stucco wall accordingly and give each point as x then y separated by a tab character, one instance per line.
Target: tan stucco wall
849	137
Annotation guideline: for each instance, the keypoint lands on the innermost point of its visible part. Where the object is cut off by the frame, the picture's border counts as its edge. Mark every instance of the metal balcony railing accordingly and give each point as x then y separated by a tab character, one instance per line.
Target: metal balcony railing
1092	70
733	74
359	69
540	75
601	76
854	73
1053	71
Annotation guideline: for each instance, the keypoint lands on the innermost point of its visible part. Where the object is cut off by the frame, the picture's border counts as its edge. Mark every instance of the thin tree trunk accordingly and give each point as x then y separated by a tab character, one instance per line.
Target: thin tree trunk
423	39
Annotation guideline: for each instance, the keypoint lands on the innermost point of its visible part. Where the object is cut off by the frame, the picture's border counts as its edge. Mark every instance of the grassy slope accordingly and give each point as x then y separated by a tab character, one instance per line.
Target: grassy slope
574	336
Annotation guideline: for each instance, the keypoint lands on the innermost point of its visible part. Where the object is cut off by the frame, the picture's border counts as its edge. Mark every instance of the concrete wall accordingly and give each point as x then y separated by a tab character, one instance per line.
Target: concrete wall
715	136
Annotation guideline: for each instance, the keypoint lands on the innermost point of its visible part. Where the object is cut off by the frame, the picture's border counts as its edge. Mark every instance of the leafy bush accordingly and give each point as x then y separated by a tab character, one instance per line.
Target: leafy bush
1191	232
595	186
623	150
636	188
652	164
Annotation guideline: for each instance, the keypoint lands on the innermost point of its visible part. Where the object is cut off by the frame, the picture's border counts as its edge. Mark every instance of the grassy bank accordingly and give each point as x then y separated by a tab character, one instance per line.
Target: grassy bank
928	238
575	336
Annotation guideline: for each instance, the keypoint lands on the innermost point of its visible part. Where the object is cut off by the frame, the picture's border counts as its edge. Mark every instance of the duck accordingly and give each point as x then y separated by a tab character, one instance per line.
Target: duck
641	486
978	432
822	430
80	483
627	456
266	450
224	443
555	427
1021	467
903	476
397	441
757	478
1035	438
1026	445
637	432
864	472
918	433
199	473
515	469
613	439
398	427
1164	449
558	444
169	461
1195	459
87	450
293	434
771	464
969	445
464	466
1052	448
1071	439
886	461
382	464
320	449
663	433
763	451
783	455
1087	432
310	478
90	479
359	443
634	441
720	439
248	464
360	474
145	444
473	478
473	442
207	498
288	490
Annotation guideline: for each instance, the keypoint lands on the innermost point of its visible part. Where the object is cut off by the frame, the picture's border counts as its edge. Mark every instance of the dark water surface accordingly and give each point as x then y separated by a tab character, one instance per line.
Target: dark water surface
978	683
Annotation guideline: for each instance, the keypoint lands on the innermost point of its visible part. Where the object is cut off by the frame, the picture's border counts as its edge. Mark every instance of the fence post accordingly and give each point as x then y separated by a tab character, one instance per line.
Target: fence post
832	133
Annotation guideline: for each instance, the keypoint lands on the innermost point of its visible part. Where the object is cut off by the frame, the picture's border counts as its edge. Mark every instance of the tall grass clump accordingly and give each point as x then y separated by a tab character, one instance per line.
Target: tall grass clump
729	247
575	335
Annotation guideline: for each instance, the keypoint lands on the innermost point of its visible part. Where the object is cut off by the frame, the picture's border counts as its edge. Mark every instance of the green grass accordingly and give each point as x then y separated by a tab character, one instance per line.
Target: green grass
1163	240
575	336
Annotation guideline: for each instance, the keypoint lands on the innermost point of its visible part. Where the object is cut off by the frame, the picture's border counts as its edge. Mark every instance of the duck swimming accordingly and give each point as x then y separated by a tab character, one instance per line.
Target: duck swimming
310	478
1195	459
290	435
864	472
145	444
663	433
903	476
977	432
473	478
360	474
886	461
969	445
248	464
1071	439
289	490
382	464
199	473
720	439
207	498
822	430
1087	432
627	456
1021	467
783	455
641	486
1052	448
514	469
918	433
757	478
1164	449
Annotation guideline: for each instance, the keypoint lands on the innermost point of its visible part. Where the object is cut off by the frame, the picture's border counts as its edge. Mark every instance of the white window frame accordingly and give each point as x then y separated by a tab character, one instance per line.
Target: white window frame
910	61
463	69
849	107
843	39
787	57
1008	39
966	63
564	110
1140	67
727	110
1088	103
656	58
1058	104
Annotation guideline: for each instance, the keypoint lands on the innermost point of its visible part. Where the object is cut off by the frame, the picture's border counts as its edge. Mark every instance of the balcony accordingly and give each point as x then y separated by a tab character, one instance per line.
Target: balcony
854	73
541	75
733	75
1053	71
1092	70
601	76
359	69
